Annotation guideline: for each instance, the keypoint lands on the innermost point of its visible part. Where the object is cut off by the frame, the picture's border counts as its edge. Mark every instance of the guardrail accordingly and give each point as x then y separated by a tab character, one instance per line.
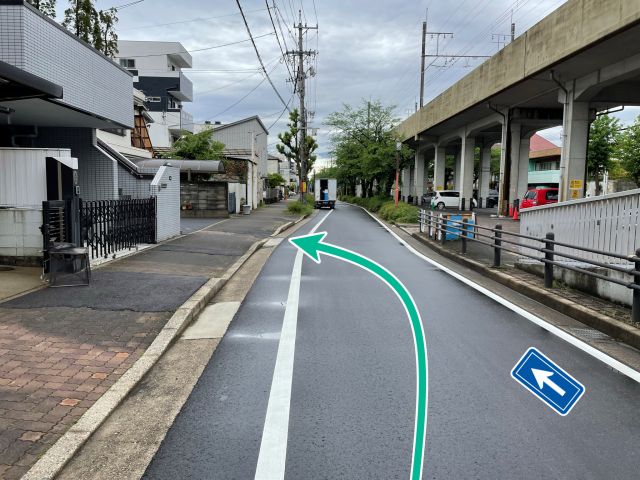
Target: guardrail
540	249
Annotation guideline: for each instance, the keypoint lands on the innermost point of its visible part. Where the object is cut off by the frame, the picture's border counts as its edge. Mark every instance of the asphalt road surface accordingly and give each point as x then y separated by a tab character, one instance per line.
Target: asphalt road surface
352	396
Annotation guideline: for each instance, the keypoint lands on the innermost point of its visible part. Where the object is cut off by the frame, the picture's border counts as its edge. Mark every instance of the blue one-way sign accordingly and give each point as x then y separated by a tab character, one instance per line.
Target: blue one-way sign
547	381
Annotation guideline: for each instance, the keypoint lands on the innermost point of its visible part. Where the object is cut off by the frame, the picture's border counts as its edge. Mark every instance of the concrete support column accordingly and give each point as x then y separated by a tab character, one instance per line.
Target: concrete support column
573	163
438	169
485	172
523	167
514	156
457	178
503	190
465	182
419	174
405	184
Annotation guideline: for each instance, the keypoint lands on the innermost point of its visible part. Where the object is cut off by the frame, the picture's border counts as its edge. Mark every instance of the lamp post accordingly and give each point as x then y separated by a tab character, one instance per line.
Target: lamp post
398	147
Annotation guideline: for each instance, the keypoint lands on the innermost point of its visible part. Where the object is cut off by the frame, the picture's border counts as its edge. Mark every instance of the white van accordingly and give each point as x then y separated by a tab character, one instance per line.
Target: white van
325	192
447	199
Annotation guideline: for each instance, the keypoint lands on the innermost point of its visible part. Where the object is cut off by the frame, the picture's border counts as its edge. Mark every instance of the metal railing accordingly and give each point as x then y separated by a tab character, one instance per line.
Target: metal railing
539	249
112	225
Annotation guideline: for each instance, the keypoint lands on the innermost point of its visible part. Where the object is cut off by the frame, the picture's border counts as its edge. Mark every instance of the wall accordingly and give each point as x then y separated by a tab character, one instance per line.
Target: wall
130	186
23	175
91	81
97	173
122	143
20	237
168	202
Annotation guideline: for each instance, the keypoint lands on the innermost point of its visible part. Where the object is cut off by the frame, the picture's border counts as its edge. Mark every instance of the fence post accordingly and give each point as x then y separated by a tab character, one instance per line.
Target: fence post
421	220
443	230
635	310
498	243
464	235
548	255
428	214
462	204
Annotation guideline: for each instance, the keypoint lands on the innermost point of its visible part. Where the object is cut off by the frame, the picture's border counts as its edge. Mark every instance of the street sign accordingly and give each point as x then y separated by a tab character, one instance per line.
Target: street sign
547	381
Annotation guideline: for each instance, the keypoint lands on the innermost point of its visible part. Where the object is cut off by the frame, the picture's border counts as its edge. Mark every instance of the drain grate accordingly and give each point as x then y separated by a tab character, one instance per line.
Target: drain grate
588	333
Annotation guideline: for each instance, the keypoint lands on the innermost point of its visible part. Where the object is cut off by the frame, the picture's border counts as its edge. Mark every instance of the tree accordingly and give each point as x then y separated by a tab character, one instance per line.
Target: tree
288	145
196	146
93	26
603	139
48	7
629	150
275	180
364	144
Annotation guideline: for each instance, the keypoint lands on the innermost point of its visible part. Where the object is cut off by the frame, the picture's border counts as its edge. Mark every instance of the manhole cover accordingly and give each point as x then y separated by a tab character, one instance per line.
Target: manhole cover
6	269
589	333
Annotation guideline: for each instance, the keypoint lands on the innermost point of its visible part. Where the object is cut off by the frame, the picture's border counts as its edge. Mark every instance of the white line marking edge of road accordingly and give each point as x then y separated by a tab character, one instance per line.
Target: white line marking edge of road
272	455
576	342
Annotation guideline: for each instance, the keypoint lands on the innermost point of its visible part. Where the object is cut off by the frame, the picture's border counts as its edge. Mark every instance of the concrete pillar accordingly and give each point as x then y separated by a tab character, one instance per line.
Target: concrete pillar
523	167
419	174
514	156
465	182
457	177
485	173
573	163
503	190
438	169
405	184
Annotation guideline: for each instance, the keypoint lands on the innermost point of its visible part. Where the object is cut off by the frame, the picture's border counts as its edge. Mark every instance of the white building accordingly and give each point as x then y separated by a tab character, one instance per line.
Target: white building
157	70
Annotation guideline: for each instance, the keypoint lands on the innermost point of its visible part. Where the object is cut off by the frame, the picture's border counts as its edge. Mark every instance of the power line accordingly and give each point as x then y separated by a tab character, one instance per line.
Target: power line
200	49
281	113
199	19
258	55
278	39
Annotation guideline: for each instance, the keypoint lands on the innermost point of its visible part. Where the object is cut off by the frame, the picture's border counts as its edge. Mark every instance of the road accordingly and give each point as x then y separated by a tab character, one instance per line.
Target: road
353	389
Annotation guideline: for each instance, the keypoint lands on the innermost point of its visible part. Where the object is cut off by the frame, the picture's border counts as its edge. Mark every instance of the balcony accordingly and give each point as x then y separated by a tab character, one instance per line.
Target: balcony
184	90
179	120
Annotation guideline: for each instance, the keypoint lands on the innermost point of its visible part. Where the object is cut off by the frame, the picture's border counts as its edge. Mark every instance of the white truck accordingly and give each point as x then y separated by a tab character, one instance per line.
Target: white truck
325	191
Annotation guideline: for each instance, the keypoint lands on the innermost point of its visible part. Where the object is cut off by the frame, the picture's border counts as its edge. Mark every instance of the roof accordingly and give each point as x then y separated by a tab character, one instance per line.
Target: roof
18	84
205	166
540	143
215	127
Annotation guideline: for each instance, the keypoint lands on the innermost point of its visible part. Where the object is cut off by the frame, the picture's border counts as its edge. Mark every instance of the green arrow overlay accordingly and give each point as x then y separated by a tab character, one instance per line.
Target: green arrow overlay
312	246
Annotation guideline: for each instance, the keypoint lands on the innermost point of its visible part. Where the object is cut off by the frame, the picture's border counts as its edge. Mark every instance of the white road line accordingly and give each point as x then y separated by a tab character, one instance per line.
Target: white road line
273	448
576	342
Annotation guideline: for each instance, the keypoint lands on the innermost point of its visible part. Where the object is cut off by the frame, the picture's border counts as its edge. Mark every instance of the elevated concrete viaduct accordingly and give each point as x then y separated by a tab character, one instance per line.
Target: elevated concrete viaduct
582	59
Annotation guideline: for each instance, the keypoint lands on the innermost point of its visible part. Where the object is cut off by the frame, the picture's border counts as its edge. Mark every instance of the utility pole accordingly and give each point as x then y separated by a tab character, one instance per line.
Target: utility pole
301	76
396	193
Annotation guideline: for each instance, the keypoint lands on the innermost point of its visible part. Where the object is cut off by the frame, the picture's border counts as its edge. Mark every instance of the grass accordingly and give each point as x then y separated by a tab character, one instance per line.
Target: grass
386	209
299	208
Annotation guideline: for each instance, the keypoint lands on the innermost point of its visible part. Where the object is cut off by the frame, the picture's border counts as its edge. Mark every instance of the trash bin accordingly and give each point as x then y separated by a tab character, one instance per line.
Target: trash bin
246	209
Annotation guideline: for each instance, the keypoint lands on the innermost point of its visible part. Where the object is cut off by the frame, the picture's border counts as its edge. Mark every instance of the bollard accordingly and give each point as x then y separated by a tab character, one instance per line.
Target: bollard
498	243
479	202
548	267
635	309
464	236
443	230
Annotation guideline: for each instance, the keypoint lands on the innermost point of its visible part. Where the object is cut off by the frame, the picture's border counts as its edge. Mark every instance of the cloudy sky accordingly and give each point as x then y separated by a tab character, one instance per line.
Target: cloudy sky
367	49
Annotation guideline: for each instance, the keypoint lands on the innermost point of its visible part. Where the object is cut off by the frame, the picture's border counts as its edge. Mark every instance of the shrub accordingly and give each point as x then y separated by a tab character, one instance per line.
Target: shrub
299	208
403	213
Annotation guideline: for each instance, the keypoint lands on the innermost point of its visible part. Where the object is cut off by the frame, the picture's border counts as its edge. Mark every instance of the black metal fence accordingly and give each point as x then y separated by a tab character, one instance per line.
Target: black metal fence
540	249
112	225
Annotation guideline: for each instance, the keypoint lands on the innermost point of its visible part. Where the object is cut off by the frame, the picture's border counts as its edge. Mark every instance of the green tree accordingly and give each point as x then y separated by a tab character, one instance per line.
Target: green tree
275	180
196	146
364	144
48	7
289	147
603	140
629	150
96	27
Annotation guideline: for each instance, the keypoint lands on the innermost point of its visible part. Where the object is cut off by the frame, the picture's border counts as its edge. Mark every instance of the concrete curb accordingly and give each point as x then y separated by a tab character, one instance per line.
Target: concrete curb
612	327
54	459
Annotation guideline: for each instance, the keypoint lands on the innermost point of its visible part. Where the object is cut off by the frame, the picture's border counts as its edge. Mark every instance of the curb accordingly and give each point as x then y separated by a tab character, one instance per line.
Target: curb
612	327
60	453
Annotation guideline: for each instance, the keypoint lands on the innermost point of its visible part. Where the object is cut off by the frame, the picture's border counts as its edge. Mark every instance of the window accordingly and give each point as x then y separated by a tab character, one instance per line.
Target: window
153	99
530	195
128	62
552	195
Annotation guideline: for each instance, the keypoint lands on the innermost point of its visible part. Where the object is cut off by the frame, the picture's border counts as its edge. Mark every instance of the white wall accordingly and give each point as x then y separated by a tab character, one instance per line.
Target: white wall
168	202
122	143
23	175
19	232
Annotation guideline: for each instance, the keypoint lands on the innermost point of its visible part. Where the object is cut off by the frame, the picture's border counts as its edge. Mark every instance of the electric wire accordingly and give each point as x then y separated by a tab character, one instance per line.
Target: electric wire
284	55
259	58
199	19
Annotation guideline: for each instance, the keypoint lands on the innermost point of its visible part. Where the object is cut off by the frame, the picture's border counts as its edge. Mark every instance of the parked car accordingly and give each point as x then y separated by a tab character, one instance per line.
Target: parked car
492	199
426	198
447	199
539	196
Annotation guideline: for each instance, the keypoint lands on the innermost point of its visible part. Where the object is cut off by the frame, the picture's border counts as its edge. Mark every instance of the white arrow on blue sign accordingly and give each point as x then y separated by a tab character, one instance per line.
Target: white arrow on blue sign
547	381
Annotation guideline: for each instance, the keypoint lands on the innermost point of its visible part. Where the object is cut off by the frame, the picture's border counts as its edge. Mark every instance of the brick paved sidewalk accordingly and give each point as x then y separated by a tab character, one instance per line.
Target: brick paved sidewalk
61	349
